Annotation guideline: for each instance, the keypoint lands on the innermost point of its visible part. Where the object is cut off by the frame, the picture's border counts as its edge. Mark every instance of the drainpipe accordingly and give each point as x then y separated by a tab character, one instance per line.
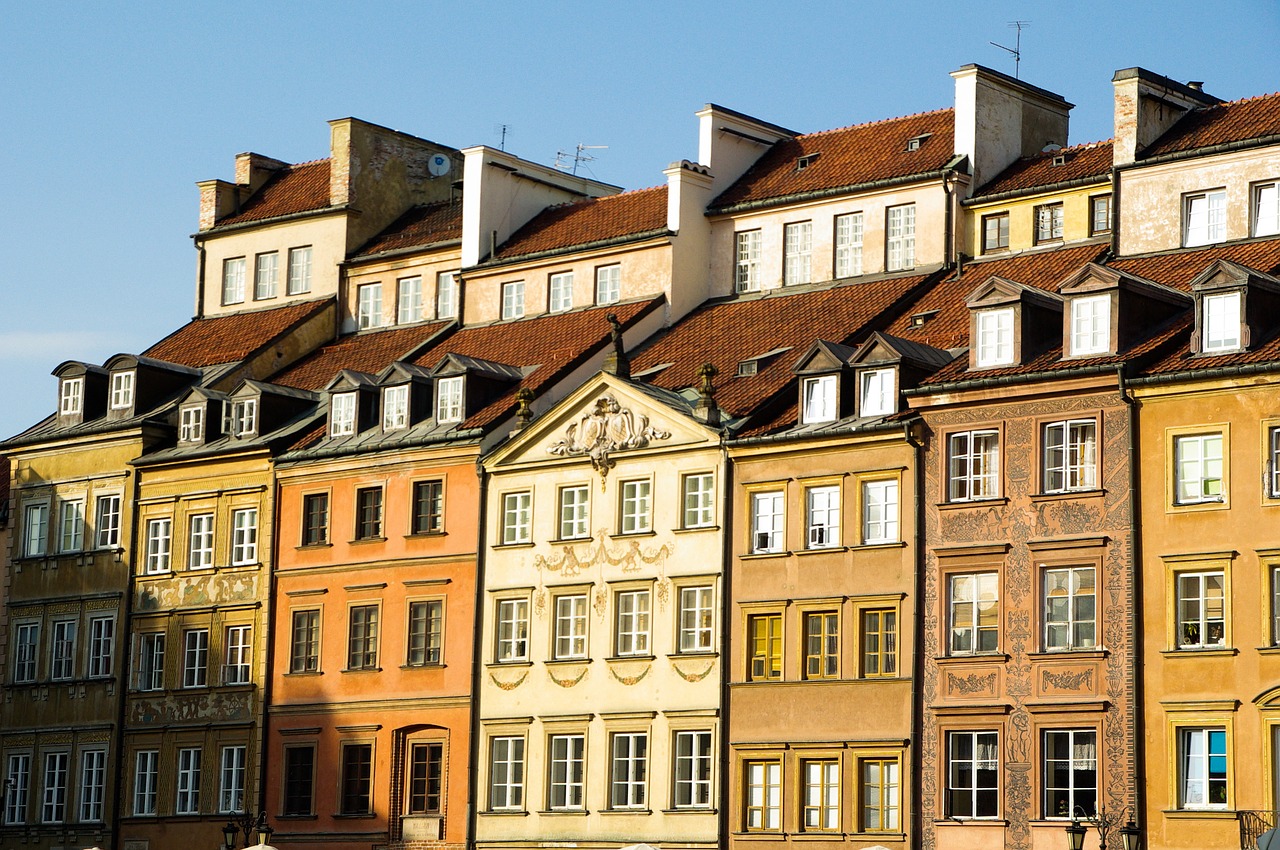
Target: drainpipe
1115	229
269	643
948	235
477	665
1135	601
122	674
726	612
202	261
917	641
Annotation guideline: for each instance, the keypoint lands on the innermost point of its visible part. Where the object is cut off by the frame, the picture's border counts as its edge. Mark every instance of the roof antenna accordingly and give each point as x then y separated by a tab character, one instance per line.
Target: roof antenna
502	130
578	157
1016	50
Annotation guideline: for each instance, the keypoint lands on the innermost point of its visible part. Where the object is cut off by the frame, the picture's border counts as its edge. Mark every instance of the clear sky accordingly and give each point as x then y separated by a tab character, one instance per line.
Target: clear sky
109	113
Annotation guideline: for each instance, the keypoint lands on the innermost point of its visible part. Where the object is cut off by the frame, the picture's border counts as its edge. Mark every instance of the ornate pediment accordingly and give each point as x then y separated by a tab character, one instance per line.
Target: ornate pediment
604	428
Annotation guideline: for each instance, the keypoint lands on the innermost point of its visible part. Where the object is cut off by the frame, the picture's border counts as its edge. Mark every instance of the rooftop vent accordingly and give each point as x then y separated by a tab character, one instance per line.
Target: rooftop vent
805	161
919	320
1060	159
914	143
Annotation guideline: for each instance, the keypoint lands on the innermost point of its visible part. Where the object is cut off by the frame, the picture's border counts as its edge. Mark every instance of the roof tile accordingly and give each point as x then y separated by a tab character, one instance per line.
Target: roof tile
1223	123
1081	162
226	339
367	351
589	221
420	226
295	189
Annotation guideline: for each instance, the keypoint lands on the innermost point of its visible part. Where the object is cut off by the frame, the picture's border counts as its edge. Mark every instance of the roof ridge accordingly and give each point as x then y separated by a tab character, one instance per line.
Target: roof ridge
1076	147
627	194
1248	99
874	123
293	165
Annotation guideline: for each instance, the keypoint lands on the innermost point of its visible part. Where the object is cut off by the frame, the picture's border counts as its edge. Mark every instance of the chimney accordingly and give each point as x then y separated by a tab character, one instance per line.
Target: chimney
253	169
730	142
1146	105
218	198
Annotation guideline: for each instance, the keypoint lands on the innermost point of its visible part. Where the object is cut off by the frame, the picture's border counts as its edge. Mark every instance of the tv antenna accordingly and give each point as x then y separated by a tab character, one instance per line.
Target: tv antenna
577	157
1016	50
502	130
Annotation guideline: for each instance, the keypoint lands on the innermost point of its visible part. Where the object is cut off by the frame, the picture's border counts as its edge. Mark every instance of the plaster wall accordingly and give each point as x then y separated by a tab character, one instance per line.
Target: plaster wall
427	265
1076	219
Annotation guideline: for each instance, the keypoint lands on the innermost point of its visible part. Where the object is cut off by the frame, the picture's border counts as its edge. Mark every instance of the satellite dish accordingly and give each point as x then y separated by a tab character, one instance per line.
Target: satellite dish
439	165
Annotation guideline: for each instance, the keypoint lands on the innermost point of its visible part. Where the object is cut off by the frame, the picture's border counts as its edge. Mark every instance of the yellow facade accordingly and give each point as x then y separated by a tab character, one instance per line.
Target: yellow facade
1077	222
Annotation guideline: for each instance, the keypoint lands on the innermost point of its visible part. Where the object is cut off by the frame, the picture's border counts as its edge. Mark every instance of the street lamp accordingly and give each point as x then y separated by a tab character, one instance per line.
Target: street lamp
246	822
1130	834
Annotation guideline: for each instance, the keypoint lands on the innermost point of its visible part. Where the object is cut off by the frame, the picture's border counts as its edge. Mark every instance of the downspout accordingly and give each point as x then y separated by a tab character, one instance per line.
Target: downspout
202	261
473	769
1115	228
917	642
1135	600
270	644
126	665
948	236
726	612
342	301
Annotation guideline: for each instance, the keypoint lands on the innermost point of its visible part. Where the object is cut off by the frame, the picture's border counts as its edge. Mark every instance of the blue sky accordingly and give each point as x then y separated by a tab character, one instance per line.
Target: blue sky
112	112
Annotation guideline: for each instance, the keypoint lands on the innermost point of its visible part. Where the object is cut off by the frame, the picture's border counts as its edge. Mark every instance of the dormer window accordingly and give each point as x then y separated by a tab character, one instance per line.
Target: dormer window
819	396
191	424
395	408
71	396
995	337
342	415
915	142
875	392
747	368
121	390
449	399
1221	322
1090	325
244	417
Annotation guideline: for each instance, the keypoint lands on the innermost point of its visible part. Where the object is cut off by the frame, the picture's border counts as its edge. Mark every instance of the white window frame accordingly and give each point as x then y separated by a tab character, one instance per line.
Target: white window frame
299	270
1194	472
447	295
570	637
574	518
973	465
513	299
632	622
17	785
768	527
1099	214
1221	322
1204	218
449	399
763	781
368	306
636	511
512	638
231	778
517	516
187	798
53	808
195	658
880	511
693	775
1273	463
93	785
822	512
608	284
1074	624
71	396
425	636
696	619
560	292
122	389
266	272
698	490
1070	459
877	392
151	650
1197	627
506	773
395	408
159	539
628	776
409	304
146	780
107	521
342	414
191	423
1090	325
35	530
71	525
62	650
1266	209
1049	221
244	417
848	239
1196	752
999	241
985	756
747	249
26	648
233	280
200	541
102	646
1082	749
820	780
239	655
566	786
797	253
900	238
969	597
995	337
819	400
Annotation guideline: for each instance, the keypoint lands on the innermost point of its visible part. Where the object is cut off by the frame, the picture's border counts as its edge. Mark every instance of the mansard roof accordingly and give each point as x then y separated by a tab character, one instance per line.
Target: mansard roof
295	189
1254	119
1077	164
420	227
588	222
226	339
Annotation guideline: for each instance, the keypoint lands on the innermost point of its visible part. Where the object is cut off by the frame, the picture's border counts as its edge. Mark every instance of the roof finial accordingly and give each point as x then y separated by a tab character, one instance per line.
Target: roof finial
524	413
616	363
706	410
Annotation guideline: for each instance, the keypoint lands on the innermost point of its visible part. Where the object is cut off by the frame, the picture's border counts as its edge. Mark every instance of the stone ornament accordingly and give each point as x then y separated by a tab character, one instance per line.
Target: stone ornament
607	427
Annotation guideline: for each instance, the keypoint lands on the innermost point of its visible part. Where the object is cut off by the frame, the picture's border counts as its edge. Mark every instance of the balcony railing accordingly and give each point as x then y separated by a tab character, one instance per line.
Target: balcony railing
1257	830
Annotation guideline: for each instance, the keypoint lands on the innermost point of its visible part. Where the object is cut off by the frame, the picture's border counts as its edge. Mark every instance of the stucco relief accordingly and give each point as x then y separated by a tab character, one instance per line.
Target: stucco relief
629	678
568	681
179	708
690	675
572	560
506	684
1066	680
605	428
974	684
188	591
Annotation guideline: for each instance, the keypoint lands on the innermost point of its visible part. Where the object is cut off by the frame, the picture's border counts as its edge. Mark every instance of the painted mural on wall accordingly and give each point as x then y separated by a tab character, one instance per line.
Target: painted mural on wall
195	591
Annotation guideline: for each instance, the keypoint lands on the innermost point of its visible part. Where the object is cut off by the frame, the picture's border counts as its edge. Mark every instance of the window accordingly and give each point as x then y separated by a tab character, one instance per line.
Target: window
304	642
1273	464
362	637
244	537
693	770
151	661
973	464
369	306
1198	460
449	399
395	408
561	297
1070	772
108	522
1266	209
447	295
1201	610
849	245
244	417
71	526
233	281
513	299
121	390
608	284
342	414
764	796
54	809
636	514
1275	606
1099	215
146	776
880	512
821	645
1204	218
357	779
71	396
239	655
573	512
195	658
797	249
973	778
1221	331
879	643
299	780
26	644
1090	325
35	534
633	623
426	778
191	424
1202	768
158	538
821	806
876	392
995	232
900	240
571	627
628	769
516	509
299	270
17	785
747	264
975	613
880	792
102	647
1069	609
824	517
819	399
566	771
266	272
1048	223
696	619
513	630
409	304
699	492
428	507
315	519
1070	455
995	337
766	522
62	659
368	513
188	802
506	773
764	631
200	542
231	780
426	633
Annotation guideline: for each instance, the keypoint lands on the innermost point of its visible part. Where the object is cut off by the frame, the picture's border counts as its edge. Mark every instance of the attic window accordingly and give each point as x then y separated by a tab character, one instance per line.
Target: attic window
191	423
752	365
342	415
244	417
71	396
747	368
395	408
919	320
1060	159
915	142
121	390
805	161
449	399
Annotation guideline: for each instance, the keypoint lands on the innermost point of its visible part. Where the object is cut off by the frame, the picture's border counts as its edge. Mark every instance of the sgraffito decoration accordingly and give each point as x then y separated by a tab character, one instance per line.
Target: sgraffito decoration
607	427
508	686
569	683
692	677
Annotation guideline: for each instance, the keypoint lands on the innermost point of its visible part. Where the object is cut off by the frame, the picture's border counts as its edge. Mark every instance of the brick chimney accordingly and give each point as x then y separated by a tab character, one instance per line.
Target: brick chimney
1146	105
253	169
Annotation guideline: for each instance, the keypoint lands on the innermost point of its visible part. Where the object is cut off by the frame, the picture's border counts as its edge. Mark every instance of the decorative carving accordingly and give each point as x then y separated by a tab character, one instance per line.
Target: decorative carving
572	561
508	686
974	683
692	677
568	683
606	427
1066	681
524	413
630	680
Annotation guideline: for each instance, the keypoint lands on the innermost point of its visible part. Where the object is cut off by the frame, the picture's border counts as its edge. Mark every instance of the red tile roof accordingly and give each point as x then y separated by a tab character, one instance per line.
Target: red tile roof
1082	162
1238	121
846	157
589	221
295	189
367	351
226	339
420	226
728	332
1178	268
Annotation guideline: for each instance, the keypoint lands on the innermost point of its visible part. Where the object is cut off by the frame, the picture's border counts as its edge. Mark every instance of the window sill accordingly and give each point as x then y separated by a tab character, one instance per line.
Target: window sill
361	670
977	657
586	538
359	541
303	548
994	502
1202	505
300	674
517	545
692	528
760	835
361	816
1058	495
296	817
1207	652
500	813
1269	650
625	812
1073	654
1212	814
879	544
820	550
757	556
818	835
498	665
691	810
419	534
434	665
711	654
958	821
563	662
617	658
560	813
624	534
